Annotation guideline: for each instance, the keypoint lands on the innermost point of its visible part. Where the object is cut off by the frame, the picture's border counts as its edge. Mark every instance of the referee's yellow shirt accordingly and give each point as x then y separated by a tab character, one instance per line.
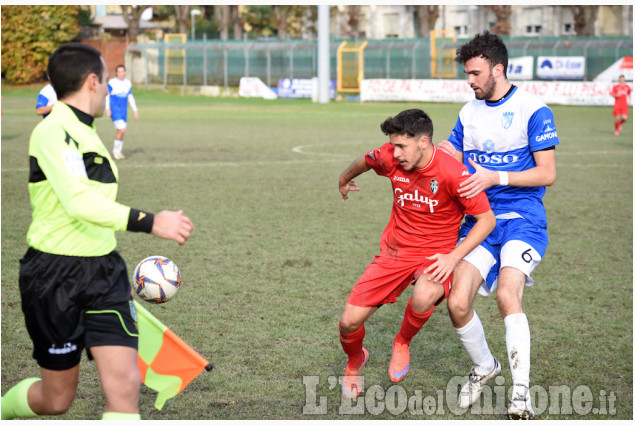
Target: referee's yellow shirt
73	188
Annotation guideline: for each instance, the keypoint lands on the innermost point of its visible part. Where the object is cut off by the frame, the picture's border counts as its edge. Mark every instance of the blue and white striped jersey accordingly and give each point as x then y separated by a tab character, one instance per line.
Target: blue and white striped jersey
502	136
119	90
46	97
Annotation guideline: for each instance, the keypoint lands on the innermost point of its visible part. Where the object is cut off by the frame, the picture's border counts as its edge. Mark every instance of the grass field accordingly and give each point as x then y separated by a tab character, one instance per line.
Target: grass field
275	253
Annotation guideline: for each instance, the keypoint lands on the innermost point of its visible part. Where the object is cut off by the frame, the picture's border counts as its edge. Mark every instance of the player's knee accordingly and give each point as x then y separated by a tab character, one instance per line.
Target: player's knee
131	384
459	308
509	301
422	303
348	324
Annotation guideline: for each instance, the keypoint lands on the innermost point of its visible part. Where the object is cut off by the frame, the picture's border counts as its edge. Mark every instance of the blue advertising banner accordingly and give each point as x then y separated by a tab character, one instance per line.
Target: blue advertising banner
561	67
301	87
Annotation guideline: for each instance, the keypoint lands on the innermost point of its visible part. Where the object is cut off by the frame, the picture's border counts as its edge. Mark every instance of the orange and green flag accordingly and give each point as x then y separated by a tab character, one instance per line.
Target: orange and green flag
166	363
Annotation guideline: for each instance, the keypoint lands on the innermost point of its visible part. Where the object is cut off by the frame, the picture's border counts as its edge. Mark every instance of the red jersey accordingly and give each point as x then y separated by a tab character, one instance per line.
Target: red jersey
427	210
621	91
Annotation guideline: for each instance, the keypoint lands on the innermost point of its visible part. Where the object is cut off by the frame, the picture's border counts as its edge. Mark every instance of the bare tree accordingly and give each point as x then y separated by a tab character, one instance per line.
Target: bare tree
352	20
238	21
223	15
503	26
583	19
182	16
281	13
428	15
132	16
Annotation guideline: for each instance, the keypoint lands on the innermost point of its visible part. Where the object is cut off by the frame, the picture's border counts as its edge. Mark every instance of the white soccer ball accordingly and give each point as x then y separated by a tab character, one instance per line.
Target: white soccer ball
156	279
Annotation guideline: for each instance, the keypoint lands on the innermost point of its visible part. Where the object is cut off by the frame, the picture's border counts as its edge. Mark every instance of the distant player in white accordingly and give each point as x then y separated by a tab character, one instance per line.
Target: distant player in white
507	139
45	100
119	95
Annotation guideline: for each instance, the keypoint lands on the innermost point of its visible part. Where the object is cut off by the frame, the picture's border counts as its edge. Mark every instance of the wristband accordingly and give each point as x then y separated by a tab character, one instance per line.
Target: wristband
504	178
140	221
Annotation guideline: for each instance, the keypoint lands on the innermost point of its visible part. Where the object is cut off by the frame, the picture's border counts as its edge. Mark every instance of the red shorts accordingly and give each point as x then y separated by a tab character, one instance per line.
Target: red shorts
620	109
386	278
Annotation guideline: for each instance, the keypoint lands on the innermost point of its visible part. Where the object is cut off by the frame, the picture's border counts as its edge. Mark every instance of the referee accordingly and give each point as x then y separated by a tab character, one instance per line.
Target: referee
73	284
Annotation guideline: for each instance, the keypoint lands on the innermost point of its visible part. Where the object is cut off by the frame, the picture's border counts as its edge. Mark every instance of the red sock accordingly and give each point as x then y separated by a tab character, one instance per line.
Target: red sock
411	324
352	344
617	125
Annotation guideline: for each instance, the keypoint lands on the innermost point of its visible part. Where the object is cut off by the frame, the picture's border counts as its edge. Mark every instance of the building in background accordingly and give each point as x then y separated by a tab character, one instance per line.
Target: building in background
381	22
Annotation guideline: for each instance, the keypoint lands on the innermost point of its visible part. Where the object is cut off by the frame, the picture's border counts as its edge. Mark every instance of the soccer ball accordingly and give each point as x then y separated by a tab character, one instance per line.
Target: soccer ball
156	279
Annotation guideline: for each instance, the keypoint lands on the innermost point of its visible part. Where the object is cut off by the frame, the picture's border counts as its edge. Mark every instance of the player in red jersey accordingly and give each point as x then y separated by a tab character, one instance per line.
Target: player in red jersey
620	92
417	247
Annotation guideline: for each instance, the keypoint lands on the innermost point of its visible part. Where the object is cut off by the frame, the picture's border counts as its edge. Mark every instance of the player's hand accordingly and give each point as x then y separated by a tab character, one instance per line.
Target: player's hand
108	113
172	225
442	268
479	181
350	186
447	147
136	115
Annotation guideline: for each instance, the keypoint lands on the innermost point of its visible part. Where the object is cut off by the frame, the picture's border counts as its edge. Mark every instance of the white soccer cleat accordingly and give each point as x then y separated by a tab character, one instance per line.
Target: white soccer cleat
472	390
520	408
118	155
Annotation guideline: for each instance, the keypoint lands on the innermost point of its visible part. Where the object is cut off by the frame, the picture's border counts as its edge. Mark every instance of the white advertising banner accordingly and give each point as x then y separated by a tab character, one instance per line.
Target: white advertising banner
521	68
458	91
561	67
254	87
624	66
416	90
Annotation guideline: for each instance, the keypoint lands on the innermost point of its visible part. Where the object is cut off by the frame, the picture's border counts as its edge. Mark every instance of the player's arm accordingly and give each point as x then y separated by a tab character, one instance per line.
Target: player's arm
43	110
444	265
64	168
41	106
543	174
346	182
133	105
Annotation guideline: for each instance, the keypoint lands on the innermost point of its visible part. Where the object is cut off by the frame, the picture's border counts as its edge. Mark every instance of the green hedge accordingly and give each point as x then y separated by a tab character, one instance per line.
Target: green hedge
30	34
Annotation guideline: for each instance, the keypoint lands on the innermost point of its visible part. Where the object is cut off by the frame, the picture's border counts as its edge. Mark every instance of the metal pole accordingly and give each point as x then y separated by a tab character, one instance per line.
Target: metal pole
225	70
247	60
145	59
165	66
324	57
268	65
204	59
291	60
192	25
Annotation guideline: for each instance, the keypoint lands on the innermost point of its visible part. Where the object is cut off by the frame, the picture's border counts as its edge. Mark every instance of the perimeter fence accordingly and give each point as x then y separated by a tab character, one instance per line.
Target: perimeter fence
223	63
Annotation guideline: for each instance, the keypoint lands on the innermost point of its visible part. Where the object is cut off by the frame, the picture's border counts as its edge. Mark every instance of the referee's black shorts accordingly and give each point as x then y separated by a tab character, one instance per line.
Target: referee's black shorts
72	303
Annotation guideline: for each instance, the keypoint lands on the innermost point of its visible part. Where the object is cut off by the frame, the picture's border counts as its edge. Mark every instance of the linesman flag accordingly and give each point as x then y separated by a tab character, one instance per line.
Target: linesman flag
166	363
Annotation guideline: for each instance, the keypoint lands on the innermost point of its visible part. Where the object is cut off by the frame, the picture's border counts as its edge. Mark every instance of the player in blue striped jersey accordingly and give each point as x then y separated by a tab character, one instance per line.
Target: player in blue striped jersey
119	95
507	139
45	100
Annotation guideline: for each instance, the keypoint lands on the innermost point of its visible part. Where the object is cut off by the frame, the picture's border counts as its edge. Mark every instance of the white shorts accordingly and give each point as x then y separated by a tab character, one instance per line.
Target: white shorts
517	254
120	124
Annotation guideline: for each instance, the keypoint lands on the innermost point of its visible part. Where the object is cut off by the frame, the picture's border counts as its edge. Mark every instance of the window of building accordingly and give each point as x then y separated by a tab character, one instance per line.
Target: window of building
567	21
533	21
391	25
460	22
461	30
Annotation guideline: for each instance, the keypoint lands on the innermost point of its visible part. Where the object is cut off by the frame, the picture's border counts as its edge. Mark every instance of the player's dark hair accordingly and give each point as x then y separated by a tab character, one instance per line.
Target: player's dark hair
120	66
71	64
488	45
411	123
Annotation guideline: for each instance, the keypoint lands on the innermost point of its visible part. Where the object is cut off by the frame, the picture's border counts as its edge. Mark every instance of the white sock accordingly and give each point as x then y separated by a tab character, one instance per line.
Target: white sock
118	146
472	336
518	347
